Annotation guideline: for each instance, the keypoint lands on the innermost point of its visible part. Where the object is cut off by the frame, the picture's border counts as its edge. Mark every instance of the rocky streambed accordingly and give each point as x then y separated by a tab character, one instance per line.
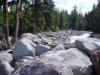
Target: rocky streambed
50	53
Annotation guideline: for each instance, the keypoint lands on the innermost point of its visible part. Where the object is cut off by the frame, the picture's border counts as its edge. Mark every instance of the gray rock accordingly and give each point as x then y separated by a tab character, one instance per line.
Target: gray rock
74	38
20	62
68	45
81	71
42	67
30	36
58	47
5	68
75	32
28	57
10	51
53	44
4	56
24	47
40	49
77	61
87	45
1	45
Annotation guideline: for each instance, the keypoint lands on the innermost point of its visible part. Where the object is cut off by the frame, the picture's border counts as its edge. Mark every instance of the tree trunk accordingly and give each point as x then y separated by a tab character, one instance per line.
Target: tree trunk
5	23
17	19
21	21
33	16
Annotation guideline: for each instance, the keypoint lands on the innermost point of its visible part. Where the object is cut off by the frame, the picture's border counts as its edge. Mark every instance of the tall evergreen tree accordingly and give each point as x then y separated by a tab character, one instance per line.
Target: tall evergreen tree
39	18
61	25
48	6
80	22
93	18
56	19
73	18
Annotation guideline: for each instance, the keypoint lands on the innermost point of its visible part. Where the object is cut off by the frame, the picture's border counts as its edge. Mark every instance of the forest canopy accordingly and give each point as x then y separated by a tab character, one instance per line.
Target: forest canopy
41	15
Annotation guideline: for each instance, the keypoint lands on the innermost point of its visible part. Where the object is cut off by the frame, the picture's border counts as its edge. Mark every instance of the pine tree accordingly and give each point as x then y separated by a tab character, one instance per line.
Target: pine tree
80	22
93	18
61	25
73	18
39	18
48	6
56	19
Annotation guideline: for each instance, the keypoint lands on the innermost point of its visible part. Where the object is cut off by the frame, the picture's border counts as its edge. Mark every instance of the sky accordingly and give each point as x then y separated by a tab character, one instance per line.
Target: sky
82	5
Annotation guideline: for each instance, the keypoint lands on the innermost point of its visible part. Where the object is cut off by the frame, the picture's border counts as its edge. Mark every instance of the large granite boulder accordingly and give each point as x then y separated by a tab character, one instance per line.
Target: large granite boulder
5	68
58	47
40	49
30	36
87	45
95	59
4	56
5	60
77	61
21	61
74	38
42	67
24	47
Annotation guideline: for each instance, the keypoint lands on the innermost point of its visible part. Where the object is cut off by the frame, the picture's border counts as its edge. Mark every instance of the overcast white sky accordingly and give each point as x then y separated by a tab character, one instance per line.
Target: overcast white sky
82	5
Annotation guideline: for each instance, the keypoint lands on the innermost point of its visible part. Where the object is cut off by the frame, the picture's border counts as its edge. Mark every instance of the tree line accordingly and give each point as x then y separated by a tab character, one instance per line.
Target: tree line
41	15
92	19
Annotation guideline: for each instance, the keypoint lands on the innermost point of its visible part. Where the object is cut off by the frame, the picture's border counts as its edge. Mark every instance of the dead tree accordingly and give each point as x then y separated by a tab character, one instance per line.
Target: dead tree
5	23
17	18
33	15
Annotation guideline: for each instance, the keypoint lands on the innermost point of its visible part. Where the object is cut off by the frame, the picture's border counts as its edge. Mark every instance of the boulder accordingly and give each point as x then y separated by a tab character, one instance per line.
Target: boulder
58	47
40	49
68	45
28	57
42	67
4	56
30	36
5	68
74	38
77	61
5	60
95	59
20	62
1	45
24	47
53	44
87	45
10	51
75	32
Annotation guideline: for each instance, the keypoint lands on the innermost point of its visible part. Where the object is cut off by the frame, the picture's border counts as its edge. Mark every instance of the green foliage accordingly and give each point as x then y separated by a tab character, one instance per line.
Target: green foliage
48	6
80	22
73	18
64	18
49	18
1	20
0	4
92	19
76	20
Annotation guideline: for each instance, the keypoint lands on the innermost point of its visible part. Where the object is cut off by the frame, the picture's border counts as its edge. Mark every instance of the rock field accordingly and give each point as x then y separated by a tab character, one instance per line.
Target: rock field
51	53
